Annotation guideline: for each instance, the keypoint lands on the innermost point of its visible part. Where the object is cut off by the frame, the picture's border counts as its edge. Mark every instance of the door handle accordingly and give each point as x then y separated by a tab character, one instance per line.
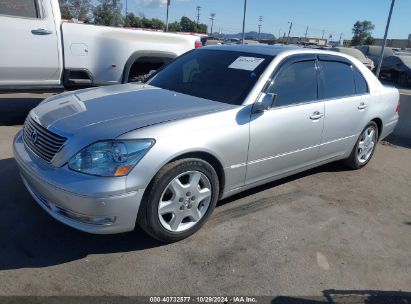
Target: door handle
316	115
362	106
41	31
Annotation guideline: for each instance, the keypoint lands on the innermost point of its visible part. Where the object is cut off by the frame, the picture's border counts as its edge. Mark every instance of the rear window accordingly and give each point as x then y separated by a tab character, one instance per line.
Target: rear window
224	76
338	79
20	8
360	83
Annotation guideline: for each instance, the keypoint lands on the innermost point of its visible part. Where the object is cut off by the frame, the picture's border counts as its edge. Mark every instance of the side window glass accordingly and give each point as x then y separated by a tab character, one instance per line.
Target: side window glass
295	83
360	83
19	8
338	79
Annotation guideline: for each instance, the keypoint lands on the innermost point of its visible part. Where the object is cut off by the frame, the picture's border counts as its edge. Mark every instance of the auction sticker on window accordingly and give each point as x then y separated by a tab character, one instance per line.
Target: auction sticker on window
246	63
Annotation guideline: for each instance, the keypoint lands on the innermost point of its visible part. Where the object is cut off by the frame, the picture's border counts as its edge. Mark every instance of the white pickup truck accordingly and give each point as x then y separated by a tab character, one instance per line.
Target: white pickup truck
40	51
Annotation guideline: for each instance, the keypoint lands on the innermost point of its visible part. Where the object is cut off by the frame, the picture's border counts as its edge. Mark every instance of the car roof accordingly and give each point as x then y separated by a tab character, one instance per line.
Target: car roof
272	50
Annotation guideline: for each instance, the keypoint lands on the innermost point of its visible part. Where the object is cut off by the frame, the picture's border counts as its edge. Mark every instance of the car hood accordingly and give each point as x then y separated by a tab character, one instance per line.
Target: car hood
118	109
91	115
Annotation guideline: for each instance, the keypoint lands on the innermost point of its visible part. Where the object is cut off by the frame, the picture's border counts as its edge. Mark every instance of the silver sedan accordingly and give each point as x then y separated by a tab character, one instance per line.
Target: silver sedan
214	122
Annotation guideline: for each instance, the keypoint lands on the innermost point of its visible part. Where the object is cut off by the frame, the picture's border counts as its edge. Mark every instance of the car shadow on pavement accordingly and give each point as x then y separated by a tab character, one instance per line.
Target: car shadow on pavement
331	167
398	141
13	111
332	296
30	238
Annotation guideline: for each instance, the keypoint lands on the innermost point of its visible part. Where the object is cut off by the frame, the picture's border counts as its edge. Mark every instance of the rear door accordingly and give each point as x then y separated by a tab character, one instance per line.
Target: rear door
29	52
346	98
287	137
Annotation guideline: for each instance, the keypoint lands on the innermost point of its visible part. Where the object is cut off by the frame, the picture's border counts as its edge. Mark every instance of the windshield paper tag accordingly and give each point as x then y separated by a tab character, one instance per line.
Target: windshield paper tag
246	63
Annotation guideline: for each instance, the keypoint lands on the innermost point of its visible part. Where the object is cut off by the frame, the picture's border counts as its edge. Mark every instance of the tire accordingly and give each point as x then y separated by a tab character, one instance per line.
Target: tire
175	205
360	156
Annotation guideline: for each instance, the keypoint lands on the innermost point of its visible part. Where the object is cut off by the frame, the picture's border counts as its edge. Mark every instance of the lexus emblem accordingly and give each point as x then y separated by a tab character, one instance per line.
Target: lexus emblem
34	137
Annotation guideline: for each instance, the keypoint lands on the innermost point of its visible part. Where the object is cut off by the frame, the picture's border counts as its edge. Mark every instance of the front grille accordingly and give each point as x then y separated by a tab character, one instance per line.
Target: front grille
41	141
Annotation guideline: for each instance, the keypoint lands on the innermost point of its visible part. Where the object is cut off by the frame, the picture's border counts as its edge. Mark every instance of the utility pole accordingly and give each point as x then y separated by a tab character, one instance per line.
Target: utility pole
168	6
289	31
260	20
245	11
340	39
114	12
377	73
306	32
125	25
212	23
322	37
198	8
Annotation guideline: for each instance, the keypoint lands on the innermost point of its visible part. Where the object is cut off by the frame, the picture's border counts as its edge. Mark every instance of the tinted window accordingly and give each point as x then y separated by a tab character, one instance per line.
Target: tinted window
295	83
360	83
21	8
224	76
338	79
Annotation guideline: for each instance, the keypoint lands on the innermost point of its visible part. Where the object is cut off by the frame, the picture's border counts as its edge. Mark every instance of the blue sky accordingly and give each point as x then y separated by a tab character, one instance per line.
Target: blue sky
333	16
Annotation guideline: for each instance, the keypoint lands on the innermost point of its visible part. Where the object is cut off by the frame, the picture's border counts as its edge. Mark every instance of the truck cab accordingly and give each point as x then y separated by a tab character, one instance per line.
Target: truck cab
40	50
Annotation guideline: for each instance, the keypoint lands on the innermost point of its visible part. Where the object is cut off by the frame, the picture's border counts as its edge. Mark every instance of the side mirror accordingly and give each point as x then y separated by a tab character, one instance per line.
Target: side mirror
264	103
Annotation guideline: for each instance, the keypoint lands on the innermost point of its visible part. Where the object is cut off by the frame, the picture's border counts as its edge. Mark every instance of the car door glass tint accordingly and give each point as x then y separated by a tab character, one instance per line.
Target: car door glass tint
295	83
338	79
360	83
20	8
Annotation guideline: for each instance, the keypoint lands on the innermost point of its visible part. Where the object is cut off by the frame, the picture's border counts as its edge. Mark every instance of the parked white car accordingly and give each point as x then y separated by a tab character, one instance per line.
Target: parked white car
39	50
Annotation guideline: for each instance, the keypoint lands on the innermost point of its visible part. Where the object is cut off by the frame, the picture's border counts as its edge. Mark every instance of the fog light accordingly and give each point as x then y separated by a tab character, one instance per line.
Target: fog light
91	220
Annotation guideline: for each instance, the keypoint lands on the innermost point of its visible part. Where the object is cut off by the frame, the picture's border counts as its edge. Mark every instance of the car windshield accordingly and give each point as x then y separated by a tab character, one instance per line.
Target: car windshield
219	75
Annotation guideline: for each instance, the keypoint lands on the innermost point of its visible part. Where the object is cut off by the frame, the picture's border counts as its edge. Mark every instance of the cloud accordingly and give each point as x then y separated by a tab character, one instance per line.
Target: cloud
151	3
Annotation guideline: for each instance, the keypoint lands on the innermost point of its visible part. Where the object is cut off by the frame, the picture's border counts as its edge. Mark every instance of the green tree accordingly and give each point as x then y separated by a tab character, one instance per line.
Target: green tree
362	31
174	27
157	24
78	9
103	14
133	20
187	25
201	28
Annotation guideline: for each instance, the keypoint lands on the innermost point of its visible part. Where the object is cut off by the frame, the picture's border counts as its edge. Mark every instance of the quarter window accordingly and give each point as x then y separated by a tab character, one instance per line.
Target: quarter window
338	79
360	83
20	8
295	83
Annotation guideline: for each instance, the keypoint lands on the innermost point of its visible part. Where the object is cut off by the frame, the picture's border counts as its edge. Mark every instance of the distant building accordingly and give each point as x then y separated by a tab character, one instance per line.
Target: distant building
395	43
303	41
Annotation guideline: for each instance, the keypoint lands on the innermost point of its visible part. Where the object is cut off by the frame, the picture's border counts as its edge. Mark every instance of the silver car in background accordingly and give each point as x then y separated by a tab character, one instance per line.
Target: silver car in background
214	122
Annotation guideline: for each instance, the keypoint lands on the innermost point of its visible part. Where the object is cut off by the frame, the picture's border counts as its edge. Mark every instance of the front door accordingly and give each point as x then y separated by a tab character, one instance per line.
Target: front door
287	137
29	52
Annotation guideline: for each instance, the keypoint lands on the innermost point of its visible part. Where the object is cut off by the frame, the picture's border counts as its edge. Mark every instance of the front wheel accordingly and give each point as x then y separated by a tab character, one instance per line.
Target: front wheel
179	200
364	147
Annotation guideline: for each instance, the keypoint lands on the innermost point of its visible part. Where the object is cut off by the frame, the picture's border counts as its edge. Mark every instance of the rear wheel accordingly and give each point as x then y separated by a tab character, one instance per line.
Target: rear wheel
364	147
179	200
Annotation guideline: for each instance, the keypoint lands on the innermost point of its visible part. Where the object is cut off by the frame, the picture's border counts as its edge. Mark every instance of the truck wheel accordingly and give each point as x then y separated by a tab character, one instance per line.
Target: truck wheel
179	200
364	147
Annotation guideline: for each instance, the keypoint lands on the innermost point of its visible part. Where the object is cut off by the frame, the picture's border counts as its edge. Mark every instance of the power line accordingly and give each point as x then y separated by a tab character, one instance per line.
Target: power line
245	11
212	23
198	8
289	31
260	20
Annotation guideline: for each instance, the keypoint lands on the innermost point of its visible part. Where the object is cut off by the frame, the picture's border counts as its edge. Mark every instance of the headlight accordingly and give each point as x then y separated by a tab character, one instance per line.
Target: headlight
110	158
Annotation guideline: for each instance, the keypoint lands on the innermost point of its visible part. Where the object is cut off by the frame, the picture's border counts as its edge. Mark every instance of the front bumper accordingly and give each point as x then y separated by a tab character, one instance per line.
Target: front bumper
88	203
